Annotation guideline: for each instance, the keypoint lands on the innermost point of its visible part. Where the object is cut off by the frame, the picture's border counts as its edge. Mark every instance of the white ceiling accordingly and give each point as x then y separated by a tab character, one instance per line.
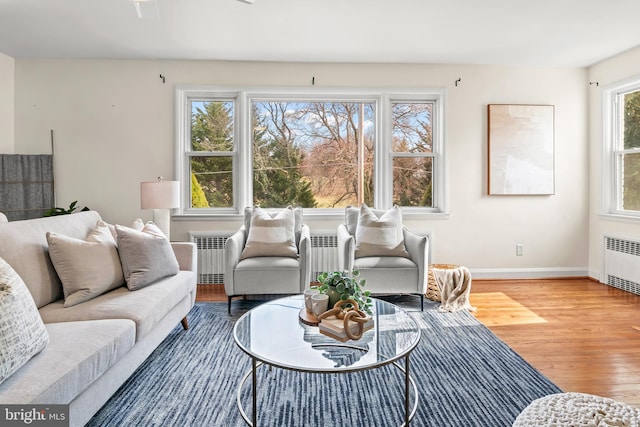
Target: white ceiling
573	33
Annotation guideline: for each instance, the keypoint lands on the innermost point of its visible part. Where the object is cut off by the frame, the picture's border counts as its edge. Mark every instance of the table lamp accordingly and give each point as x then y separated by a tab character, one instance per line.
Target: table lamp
161	196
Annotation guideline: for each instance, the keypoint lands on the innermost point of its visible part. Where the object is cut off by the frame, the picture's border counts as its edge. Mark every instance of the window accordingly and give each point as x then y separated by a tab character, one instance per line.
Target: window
322	151
622	156
413	153
313	154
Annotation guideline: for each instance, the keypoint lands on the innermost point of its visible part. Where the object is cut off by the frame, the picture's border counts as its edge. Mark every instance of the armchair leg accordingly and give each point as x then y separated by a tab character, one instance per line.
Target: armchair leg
421	302
229	304
185	323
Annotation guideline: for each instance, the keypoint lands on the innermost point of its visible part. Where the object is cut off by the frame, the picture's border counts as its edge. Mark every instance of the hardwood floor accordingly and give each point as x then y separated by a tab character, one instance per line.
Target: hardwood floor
583	335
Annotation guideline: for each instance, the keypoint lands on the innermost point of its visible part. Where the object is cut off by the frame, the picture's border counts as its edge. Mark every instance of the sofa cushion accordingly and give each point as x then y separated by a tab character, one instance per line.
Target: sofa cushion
146	306
146	256
87	268
380	236
22	333
280	275
388	275
271	235
23	244
78	353
137	224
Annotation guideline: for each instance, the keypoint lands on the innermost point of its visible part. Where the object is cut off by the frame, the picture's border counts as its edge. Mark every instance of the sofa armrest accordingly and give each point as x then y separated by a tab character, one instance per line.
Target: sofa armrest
232	251
418	248
305	258
346	249
186	254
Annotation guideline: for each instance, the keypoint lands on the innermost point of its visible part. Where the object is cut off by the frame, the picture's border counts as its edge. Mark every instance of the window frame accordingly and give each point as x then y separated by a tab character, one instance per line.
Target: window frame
242	150
613	152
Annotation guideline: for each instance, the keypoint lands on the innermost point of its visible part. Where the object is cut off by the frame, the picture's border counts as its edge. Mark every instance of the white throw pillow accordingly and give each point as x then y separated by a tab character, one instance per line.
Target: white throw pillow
146	256
87	268
3	218
137	224
271	235
22	333
380	236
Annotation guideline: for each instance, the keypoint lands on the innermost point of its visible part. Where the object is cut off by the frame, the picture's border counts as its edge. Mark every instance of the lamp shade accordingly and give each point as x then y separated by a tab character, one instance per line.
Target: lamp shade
160	195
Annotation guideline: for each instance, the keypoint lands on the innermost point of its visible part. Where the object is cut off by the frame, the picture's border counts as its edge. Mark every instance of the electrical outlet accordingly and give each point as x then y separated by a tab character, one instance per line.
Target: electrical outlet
519	249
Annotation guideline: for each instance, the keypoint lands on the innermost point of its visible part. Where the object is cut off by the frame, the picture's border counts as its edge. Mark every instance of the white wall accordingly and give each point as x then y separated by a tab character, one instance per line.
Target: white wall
7	66
114	127
615	69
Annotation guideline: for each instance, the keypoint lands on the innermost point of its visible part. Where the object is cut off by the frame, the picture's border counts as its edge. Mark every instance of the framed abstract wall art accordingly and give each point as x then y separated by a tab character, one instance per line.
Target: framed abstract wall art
521	149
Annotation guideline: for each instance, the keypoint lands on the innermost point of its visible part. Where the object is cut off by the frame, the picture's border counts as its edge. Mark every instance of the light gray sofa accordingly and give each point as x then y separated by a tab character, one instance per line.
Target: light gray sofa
96	345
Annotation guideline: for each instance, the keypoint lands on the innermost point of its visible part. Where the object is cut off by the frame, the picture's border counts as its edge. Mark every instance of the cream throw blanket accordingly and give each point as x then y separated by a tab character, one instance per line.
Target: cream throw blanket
455	287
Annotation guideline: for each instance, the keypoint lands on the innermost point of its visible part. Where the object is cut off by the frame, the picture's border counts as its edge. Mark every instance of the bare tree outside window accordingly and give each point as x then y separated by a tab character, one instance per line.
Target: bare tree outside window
412	144
237	147
312	154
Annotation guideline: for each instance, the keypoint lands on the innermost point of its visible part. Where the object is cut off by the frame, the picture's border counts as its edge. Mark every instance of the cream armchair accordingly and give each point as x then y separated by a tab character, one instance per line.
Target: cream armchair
385	272
265	268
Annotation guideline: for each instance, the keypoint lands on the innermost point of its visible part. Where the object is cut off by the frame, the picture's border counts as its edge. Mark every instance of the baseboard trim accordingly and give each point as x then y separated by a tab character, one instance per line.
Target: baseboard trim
528	273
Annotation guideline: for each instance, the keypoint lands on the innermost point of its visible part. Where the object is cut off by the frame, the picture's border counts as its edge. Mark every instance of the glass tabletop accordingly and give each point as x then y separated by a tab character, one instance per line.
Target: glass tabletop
274	334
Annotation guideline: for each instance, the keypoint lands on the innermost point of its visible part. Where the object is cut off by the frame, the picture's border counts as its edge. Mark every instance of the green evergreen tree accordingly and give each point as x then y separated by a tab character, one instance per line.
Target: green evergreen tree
198	198
212	130
277	178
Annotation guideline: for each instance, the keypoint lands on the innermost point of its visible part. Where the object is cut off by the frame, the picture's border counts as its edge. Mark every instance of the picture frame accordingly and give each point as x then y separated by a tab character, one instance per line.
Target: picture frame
521	149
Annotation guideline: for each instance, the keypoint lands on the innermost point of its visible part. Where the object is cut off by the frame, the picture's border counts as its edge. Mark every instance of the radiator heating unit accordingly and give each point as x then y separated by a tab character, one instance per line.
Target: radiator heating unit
210	256
622	264
324	254
211	259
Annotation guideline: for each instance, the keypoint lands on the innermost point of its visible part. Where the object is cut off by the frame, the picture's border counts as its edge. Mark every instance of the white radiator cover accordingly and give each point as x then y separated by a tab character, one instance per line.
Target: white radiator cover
324	254
211	260
622	263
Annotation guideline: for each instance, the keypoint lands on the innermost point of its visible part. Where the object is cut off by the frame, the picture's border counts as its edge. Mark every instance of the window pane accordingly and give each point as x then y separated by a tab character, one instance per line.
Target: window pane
211	125
312	154
211	182
412	130
631	182
413	181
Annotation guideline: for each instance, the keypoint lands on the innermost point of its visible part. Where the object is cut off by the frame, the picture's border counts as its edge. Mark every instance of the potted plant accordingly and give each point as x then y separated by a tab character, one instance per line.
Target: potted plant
342	285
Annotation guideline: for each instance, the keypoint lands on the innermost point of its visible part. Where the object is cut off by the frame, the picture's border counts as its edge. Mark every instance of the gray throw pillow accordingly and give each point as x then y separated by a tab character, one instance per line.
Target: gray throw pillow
380	236
270	235
86	268
146	256
22	333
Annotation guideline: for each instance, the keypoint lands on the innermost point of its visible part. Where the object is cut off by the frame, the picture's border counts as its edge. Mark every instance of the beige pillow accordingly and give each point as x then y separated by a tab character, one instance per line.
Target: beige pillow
271	235
87	268
297	221
22	333
381	236
137	224
146	256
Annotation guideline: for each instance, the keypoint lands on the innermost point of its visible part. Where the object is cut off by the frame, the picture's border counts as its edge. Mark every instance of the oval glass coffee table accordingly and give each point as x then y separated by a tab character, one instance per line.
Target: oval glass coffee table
272	334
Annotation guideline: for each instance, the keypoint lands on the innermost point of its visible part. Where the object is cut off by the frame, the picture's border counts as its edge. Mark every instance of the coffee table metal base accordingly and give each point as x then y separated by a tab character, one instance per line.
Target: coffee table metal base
409	413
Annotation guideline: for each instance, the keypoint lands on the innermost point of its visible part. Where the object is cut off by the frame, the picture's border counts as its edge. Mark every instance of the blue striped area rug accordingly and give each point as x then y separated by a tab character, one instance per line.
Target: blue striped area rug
465	376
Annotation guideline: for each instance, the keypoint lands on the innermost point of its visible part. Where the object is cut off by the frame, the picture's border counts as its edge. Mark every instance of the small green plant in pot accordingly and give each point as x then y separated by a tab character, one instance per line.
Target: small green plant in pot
342	285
